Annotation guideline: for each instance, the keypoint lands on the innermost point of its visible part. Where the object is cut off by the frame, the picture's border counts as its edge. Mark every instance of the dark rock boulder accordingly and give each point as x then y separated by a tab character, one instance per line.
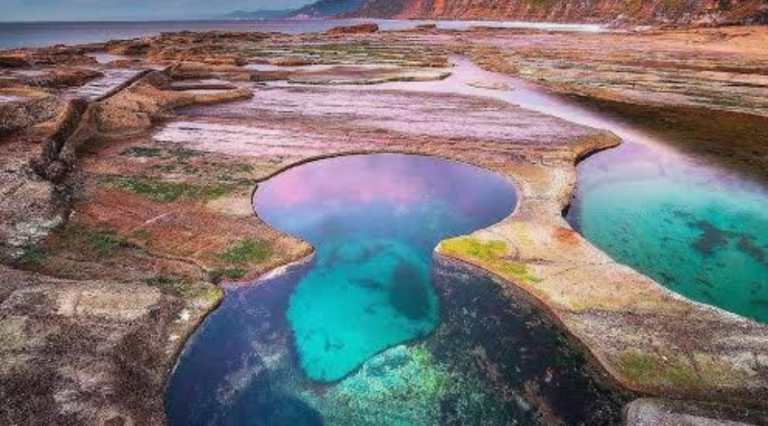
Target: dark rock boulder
354	29
8	61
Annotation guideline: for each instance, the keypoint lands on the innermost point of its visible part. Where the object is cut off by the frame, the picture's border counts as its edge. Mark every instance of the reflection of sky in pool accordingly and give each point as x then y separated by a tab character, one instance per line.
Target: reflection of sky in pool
374	221
372	331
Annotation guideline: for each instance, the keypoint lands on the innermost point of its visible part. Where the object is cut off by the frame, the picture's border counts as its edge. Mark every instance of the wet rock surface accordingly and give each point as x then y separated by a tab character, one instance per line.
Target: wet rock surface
132	207
721	69
658	412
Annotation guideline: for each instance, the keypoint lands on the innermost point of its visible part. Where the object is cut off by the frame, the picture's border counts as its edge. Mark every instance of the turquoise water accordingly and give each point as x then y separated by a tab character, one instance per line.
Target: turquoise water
374	330
697	229
374	221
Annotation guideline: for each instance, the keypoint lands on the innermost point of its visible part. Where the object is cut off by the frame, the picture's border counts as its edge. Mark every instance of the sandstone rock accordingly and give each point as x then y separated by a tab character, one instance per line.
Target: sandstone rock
7	61
58	56
366	75
354	29
606	11
490	85
426	27
660	412
292	62
198	85
129	48
163	54
25	113
117	340
29	206
269	75
138	106
50	164
63	77
200	70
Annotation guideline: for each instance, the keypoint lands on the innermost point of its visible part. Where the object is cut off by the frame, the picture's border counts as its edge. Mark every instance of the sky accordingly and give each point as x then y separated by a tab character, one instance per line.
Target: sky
83	10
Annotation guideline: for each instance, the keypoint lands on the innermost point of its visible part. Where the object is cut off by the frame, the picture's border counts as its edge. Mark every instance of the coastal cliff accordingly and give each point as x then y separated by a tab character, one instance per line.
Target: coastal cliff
659	12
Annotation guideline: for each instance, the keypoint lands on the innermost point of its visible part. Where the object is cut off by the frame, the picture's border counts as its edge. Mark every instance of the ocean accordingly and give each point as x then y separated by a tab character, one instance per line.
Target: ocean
38	34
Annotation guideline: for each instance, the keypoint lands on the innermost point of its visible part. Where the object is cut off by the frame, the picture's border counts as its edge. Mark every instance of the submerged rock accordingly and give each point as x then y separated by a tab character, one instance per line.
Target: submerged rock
490	85
366	75
666	412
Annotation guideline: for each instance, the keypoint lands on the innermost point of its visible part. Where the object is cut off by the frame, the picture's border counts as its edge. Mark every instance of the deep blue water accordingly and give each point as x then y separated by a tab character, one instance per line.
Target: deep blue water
373	331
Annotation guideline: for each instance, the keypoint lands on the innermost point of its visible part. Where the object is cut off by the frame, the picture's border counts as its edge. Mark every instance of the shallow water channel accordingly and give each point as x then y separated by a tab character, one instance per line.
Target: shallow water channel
373	330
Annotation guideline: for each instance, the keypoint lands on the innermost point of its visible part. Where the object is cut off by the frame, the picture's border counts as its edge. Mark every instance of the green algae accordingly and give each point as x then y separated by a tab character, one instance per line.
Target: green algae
105	242
33	256
688	372
377	393
186	288
491	254
246	252
166	191
143	152
221	274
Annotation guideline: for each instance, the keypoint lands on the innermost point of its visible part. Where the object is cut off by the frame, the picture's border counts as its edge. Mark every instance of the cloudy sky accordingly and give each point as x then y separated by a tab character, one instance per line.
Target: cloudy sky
79	10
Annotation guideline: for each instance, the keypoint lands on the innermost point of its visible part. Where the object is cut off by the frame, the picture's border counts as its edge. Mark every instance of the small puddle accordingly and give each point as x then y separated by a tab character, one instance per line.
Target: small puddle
112	79
10	98
374	330
105	58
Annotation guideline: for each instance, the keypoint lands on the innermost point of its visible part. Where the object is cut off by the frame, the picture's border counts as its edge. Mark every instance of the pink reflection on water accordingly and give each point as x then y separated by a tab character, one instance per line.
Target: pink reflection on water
361	180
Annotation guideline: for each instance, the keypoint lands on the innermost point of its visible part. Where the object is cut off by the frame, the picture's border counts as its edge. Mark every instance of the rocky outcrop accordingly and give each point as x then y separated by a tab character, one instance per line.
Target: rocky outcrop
63	77
129	48
367	75
661	412
27	112
353	29
89	352
53	56
604	11
10	61
37	193
30	206
146	101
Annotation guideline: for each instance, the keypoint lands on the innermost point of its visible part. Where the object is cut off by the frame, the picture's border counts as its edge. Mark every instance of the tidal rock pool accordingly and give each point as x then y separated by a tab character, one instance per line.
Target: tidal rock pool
698	229
372	329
